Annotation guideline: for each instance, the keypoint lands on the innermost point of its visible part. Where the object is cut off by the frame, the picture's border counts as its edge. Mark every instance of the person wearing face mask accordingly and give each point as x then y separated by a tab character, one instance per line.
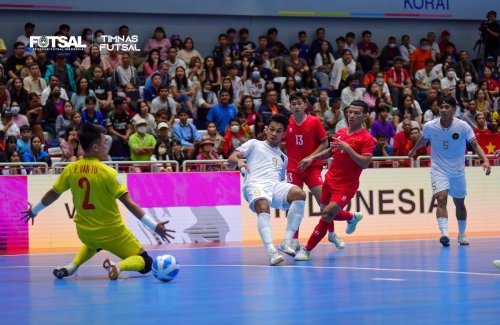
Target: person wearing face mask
7	126
162	151
255	87
449	83
352	92
342	69
233	138
17	118
419	57
141	143
470	85
87	39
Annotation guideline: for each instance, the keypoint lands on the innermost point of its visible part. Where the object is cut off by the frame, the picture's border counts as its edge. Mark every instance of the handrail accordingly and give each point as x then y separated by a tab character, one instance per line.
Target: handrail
27	164
116	164
202	162
469	157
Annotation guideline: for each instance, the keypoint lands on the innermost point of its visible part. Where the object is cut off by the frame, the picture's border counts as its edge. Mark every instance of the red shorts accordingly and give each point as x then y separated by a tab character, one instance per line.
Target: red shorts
311	177
341	197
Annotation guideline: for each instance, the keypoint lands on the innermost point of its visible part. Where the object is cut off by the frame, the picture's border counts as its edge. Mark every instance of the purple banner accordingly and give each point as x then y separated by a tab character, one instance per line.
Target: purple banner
14	233
185	189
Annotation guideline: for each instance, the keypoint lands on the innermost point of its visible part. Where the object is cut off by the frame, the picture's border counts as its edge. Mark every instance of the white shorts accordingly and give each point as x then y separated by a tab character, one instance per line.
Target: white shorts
456	186
276	194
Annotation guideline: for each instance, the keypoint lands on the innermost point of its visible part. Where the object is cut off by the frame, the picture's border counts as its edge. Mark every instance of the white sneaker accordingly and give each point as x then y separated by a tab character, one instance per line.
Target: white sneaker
295	244
496	263
112	268
303	255
286	247
462	240
336	240
351	226
275	258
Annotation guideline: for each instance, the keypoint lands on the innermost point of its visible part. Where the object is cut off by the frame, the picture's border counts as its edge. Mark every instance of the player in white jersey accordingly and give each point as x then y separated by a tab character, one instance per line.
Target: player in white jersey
264	170
449	136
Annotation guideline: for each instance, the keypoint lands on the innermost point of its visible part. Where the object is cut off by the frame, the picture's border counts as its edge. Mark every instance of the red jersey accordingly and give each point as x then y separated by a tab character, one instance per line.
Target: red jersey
344	172
302	140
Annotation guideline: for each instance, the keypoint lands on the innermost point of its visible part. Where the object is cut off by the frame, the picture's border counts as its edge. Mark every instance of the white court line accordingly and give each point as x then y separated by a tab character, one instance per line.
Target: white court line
388	279
291	267
243	246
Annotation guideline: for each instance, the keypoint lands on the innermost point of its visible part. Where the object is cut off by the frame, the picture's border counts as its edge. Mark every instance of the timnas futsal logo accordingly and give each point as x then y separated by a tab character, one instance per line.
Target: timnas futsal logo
46	43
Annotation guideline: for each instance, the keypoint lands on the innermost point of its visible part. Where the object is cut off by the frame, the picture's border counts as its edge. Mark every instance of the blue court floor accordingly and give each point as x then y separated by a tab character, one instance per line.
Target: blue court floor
398	282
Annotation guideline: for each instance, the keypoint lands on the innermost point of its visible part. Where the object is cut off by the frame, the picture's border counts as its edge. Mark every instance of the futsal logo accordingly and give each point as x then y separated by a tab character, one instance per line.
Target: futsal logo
455	136
43	41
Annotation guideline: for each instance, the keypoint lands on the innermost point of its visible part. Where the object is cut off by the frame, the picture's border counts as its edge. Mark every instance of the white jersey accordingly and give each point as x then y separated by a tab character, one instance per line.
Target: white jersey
448	145
267	164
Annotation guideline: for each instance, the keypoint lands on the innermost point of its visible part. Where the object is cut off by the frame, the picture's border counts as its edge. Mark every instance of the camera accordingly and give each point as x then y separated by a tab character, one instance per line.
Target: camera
483	29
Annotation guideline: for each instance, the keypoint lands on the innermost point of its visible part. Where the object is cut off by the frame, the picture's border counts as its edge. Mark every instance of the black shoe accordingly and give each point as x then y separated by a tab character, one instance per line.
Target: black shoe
60	273
445	241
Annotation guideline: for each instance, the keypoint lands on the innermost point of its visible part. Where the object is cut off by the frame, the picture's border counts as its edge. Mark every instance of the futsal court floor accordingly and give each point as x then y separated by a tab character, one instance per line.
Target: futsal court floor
391	282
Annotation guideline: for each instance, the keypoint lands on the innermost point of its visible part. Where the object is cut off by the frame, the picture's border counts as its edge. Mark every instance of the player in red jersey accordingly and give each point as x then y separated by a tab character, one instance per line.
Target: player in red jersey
306	137
352	150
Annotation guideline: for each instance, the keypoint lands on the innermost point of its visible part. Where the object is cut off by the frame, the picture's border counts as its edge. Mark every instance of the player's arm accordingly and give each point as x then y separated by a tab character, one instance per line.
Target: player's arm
480	153
420	143
138	212
362	161
49	198
237	159
323	147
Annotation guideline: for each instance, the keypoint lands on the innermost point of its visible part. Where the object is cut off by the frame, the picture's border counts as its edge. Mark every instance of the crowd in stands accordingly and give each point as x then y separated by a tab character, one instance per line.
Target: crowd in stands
171	102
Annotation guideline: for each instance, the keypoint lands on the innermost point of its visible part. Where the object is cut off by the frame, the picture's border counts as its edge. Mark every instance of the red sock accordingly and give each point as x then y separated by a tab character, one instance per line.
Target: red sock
318	234
344	215
331	227
296	235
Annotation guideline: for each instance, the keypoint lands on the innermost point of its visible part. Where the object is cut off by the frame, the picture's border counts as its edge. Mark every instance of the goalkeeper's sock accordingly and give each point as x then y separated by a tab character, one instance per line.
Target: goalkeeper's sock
132	263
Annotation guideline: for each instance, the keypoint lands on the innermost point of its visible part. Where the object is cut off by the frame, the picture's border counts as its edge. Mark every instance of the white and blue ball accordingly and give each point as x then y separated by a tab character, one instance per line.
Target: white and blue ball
165	267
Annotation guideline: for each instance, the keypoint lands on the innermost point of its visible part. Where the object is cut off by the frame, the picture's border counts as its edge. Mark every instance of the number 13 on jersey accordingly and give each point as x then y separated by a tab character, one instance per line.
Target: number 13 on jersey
298	139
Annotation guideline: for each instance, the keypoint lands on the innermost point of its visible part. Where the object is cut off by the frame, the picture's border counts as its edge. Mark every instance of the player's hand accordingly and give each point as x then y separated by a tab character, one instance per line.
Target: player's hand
487	167
28	214
338	144
243	165
164	232
304	163
497	154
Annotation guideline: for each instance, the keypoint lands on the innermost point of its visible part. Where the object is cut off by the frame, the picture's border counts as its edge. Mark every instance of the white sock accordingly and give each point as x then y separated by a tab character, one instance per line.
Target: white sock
443	225
71	268
462	224
265	231
295	215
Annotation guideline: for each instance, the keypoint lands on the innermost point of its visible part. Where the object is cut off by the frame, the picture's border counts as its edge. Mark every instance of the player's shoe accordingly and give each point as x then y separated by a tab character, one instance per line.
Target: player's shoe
445	241
303	255
275	258
62	273
112	268
351	226
336	240
462	240
496	263
295	244
286	247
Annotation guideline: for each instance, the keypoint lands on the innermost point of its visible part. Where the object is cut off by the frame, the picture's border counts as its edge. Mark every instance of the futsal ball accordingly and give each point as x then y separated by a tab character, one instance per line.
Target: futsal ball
165	268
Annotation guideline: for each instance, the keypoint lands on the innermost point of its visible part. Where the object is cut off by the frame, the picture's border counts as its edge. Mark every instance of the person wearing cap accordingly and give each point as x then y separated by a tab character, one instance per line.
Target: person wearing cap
491	62
186	133
397	79
8	126
445	41
141	143
207	152
490	33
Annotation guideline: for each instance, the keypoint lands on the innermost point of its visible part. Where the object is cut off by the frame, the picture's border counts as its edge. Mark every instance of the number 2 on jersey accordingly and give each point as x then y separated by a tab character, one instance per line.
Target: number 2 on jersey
298	139
84	181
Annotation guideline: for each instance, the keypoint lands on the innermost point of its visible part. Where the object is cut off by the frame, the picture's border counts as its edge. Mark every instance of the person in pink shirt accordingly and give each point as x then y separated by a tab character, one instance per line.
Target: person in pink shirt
159	41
